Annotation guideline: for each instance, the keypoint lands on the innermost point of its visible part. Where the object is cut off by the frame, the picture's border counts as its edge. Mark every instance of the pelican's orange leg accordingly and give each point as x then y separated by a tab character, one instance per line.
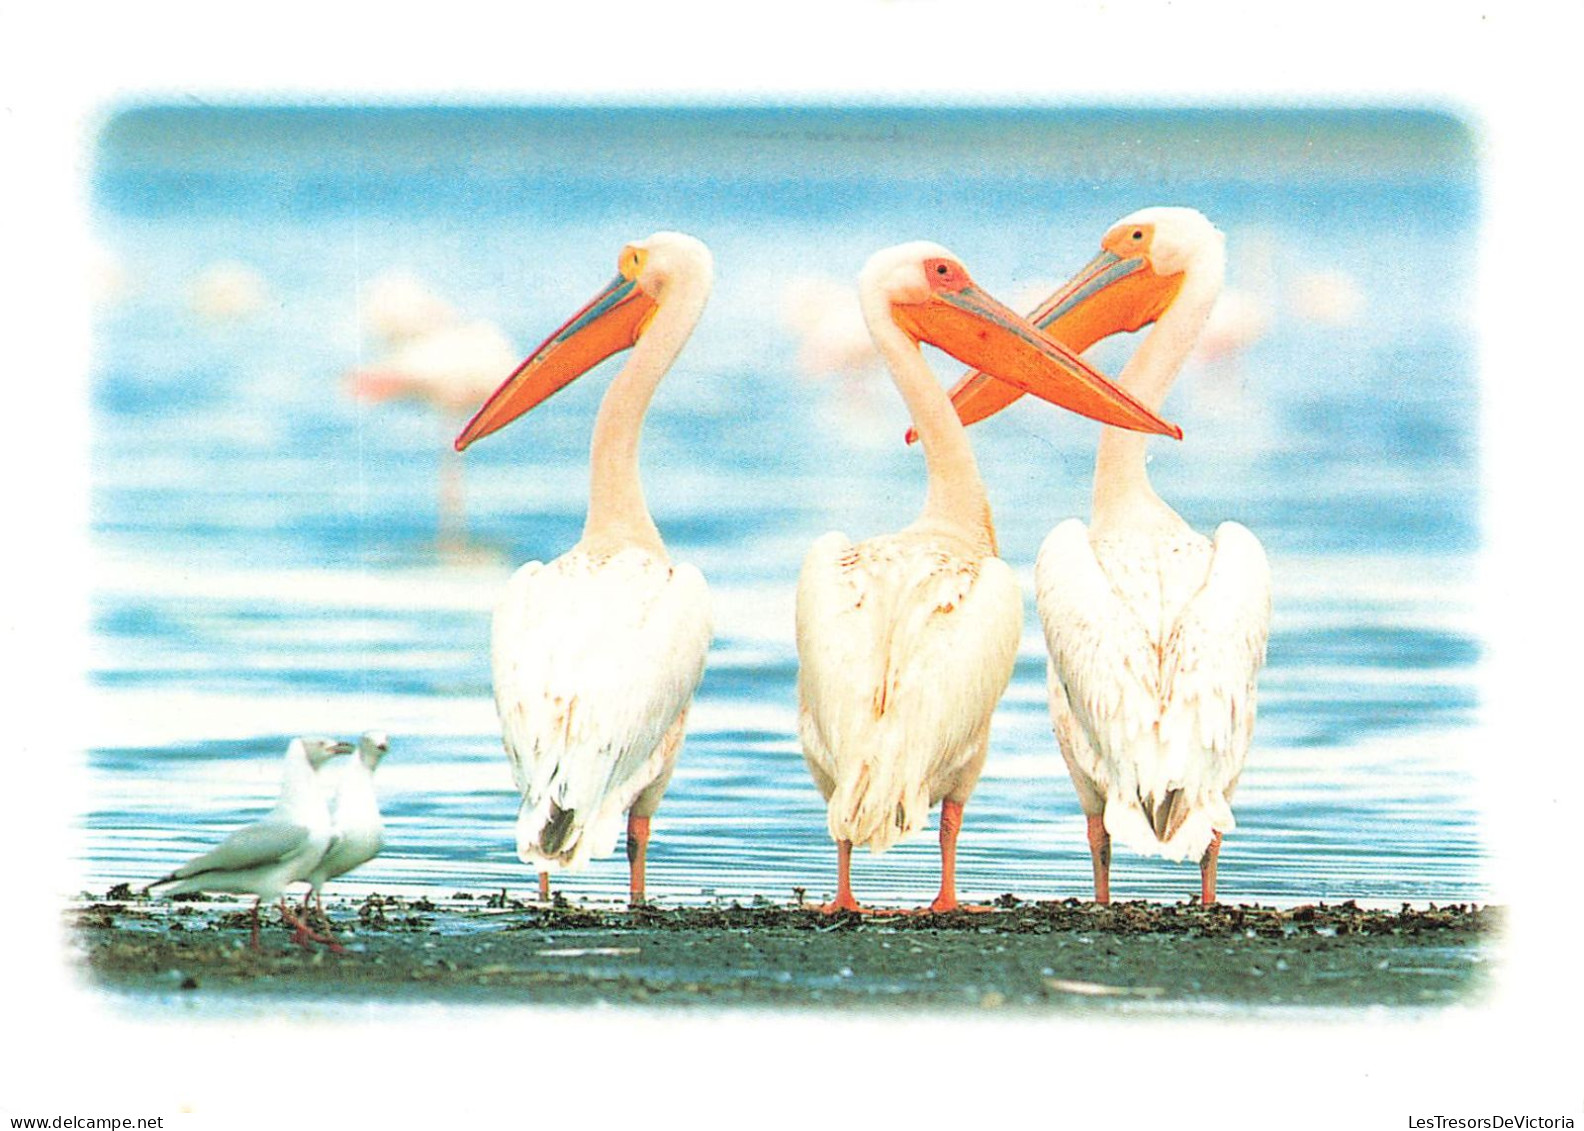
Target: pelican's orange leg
951	819
950	826
1207	870
637	847
1100	853
844	900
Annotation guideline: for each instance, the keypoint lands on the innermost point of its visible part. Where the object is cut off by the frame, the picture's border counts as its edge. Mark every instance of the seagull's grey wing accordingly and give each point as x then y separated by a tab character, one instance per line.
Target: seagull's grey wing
252	846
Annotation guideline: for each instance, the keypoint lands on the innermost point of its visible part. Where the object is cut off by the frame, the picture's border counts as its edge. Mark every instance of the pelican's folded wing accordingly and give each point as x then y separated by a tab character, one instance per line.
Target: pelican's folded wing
1215	652
903	651
1171	708
594	660
1101	653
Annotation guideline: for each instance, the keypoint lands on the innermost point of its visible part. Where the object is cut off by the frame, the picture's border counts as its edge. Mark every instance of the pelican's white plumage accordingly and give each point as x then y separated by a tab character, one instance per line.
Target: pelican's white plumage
907	641
1155	642
597	654
593	716
1156	634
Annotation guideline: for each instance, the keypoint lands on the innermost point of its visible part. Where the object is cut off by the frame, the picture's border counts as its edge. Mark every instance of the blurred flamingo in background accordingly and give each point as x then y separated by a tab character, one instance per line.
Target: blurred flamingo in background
228	291
432	357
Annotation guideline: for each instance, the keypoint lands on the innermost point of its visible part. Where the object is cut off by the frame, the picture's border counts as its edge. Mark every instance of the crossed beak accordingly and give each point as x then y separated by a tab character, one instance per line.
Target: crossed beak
611	322
980	332
1112	294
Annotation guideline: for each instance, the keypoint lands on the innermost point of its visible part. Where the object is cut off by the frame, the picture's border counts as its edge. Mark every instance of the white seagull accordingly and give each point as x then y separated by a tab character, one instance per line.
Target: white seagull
265	858
906	641
596	655
1156	634
358	833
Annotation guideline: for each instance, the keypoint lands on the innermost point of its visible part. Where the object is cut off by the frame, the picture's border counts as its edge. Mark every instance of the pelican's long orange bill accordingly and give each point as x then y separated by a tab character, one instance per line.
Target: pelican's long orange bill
1110	295
610	323
978	331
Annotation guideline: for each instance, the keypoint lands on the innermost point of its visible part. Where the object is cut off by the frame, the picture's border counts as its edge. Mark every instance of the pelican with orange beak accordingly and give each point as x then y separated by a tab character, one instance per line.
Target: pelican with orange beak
906	641
1156	634
596	655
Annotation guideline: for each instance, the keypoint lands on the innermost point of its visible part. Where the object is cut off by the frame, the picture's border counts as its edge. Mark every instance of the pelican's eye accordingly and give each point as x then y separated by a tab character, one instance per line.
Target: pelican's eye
1138	233
945	275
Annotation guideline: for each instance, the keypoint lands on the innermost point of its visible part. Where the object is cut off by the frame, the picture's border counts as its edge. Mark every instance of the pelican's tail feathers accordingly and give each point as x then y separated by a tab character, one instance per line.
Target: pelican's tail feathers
876	805
558	827
1176	826
548	836
553	839
1167	814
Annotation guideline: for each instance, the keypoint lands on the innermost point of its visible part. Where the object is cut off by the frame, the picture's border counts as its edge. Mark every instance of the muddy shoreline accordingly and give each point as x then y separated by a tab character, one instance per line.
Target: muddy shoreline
1015	956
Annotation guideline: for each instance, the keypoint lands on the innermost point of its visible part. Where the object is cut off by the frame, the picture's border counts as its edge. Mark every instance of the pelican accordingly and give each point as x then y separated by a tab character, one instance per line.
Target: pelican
906	641
1156	634
596	655
359	834
265	858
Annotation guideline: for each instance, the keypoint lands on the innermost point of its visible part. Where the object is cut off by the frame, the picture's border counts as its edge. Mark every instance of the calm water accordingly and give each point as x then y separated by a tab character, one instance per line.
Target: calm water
266	547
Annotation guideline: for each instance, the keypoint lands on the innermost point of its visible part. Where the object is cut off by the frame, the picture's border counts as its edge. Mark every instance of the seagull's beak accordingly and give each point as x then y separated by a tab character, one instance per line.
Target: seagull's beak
340	748
611	322
1112	294
981	332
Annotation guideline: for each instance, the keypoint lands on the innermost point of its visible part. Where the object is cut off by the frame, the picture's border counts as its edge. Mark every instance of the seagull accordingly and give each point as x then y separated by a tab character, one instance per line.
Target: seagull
265	858
355	818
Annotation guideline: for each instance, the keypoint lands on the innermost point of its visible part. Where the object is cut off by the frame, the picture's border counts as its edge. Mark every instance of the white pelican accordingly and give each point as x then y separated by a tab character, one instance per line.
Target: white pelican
358	833
265	858
906	641
596	655
1156	633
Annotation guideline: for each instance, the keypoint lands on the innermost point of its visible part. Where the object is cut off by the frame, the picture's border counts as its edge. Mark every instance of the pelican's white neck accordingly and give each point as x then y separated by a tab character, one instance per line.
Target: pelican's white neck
617	514
1121	484
956	499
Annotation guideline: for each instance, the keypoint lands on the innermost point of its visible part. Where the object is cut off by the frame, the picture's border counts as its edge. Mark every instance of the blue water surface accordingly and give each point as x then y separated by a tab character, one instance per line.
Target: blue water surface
267	558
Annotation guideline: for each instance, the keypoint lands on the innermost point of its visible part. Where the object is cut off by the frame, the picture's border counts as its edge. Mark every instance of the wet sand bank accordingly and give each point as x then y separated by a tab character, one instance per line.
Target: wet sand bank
1016	956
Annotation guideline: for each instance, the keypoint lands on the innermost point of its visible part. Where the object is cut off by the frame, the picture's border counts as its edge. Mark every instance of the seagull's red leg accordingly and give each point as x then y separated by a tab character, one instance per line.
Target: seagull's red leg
544	887
304	932
844	900
637	847
1207	870
1100	853
257	900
